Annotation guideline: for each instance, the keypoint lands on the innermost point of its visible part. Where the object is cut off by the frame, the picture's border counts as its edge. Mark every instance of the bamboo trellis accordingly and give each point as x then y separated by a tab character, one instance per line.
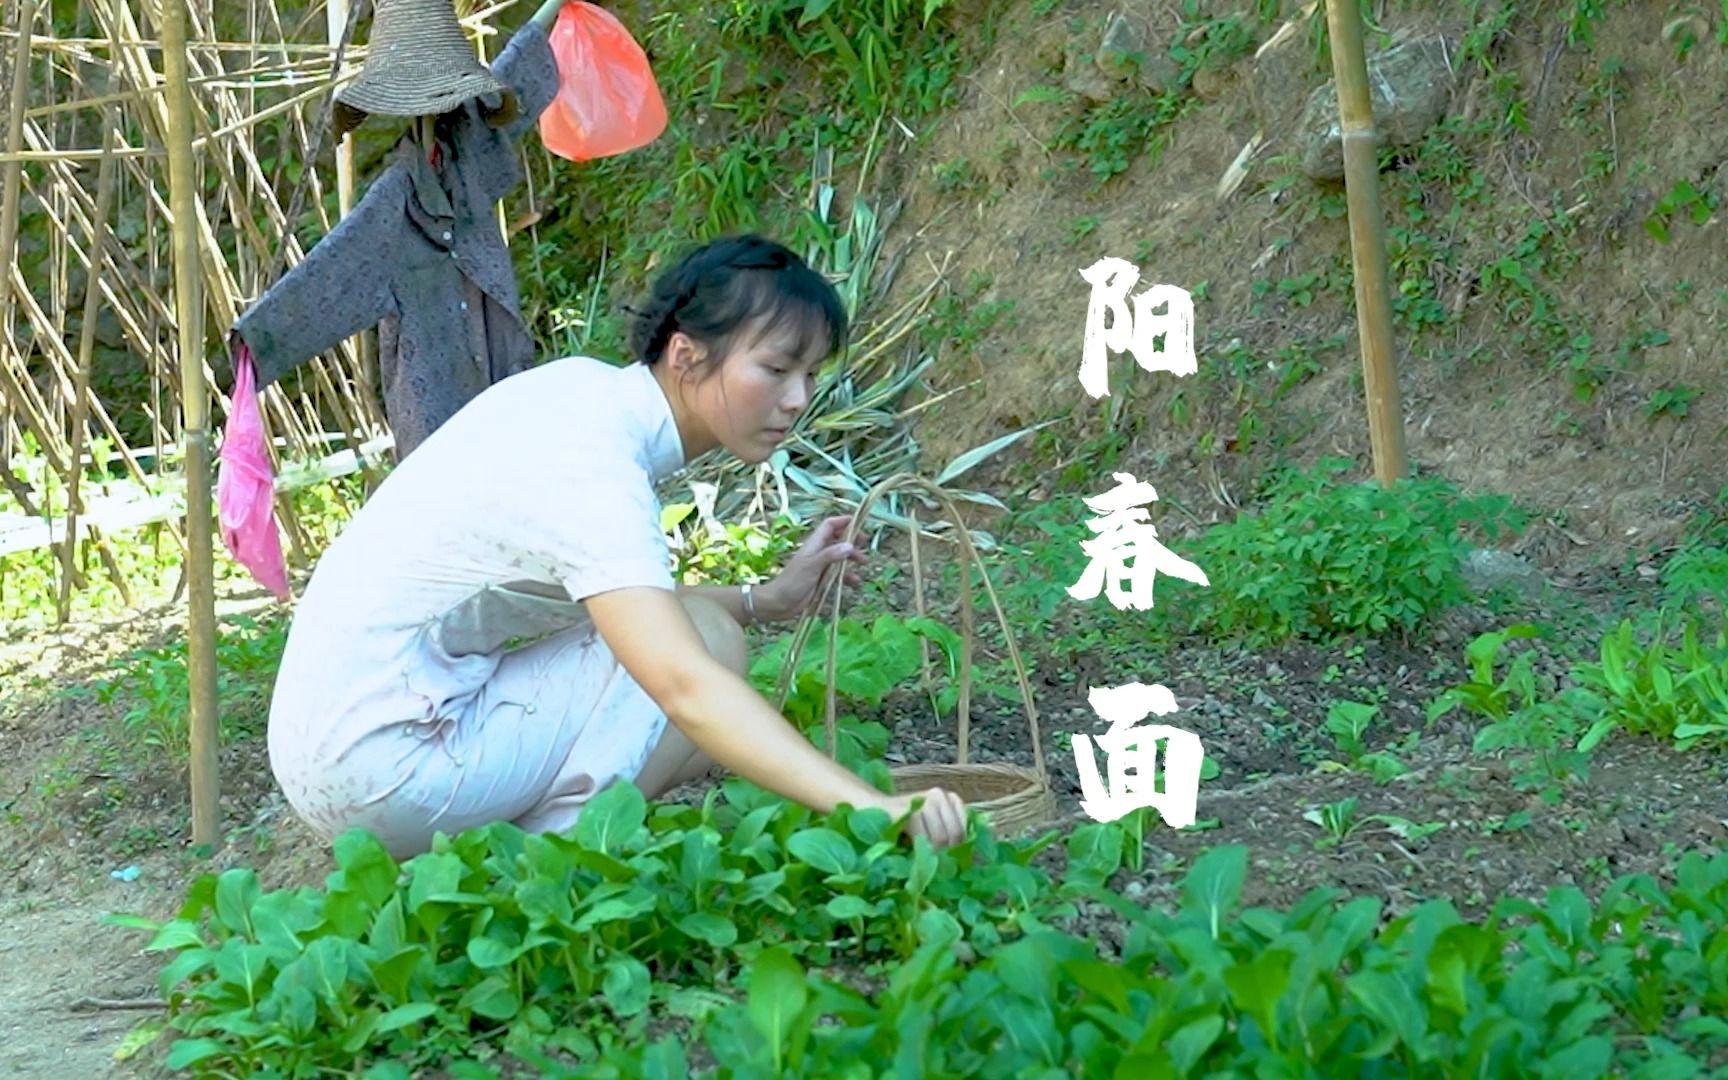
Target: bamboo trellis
88	209
85	243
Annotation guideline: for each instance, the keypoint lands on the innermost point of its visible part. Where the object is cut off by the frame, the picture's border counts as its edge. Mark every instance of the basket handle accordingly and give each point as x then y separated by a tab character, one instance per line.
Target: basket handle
835	581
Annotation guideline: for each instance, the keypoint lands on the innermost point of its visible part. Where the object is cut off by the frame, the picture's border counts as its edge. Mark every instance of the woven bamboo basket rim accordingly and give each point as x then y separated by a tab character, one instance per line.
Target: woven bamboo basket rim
1025	797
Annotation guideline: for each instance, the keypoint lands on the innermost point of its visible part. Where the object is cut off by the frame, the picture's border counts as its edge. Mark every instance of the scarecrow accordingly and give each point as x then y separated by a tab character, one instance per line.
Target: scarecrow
421	256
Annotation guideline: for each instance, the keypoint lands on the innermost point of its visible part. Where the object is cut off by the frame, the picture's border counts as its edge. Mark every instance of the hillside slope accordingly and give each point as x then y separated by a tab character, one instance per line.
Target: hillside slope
1550	346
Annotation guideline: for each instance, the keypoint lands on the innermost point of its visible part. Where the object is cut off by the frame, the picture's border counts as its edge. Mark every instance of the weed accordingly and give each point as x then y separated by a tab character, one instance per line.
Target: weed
1683	201
1697	576
1581	23
1521	715
958	175
1671	401
152	685
959	320
715	552
1108	137
1322	561
1658	687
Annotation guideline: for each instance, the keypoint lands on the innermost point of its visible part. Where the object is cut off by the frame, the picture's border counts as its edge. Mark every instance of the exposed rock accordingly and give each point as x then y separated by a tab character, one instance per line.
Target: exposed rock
1410	86
1277	83
1128	54
1486	569
1124	44
1082	76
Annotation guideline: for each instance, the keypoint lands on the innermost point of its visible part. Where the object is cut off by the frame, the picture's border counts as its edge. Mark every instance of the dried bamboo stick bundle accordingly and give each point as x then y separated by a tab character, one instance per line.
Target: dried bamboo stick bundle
298	541
297	121
288	75
120	299
24	402
9	434
105	183
45	331
87	48
133	65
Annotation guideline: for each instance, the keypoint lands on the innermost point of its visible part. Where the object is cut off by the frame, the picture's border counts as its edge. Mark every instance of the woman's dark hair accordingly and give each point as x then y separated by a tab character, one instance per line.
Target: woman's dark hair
718	290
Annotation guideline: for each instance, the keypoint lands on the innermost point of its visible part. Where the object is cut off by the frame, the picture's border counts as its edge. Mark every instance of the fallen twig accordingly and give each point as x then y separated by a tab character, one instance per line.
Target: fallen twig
96	1004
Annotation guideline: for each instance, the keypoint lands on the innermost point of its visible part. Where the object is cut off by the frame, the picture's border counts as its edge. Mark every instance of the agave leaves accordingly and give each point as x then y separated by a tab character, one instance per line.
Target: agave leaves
857	429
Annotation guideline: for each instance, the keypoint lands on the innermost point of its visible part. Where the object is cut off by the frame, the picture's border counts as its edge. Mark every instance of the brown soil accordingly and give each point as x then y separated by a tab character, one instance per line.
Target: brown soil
76	806
1261	714
1610	475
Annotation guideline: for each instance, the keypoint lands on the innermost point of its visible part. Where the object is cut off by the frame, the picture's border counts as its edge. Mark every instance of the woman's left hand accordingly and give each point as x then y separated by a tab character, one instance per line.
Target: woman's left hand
791	594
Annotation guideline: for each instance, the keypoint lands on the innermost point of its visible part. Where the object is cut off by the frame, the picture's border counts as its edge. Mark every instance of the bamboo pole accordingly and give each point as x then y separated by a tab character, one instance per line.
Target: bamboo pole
12	173
195	401
336	24
1367	242
337	27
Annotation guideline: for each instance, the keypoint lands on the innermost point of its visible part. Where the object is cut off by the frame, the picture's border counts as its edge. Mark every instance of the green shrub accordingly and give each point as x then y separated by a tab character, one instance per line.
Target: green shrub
1321	560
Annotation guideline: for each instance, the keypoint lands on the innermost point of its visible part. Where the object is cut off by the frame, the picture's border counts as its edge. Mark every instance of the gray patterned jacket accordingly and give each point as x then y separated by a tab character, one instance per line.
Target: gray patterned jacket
421	257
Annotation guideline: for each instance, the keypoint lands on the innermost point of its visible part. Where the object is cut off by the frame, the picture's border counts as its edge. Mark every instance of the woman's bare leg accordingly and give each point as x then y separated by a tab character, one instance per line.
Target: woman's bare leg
675	759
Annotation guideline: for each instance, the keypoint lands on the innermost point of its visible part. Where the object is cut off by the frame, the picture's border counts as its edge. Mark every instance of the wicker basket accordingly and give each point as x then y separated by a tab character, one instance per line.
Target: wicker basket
1013	799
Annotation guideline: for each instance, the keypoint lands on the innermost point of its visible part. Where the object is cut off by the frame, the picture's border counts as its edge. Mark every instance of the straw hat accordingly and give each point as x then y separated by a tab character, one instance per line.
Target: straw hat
418	63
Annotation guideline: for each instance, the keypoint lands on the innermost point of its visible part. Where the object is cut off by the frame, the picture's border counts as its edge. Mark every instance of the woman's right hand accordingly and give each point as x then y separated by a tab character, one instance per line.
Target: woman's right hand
942	818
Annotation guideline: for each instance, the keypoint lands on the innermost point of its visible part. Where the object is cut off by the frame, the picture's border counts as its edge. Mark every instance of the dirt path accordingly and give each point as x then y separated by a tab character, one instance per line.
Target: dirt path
74	807
54	955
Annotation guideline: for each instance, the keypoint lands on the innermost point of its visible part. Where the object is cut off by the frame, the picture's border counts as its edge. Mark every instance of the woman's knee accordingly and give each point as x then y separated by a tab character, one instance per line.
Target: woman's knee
720	632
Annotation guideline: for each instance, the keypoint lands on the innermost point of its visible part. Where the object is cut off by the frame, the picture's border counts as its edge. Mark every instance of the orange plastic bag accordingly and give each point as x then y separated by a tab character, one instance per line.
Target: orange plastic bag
608	102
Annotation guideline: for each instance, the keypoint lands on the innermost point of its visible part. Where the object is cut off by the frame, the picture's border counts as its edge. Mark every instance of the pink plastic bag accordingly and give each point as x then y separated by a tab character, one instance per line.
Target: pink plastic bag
246	488
608	102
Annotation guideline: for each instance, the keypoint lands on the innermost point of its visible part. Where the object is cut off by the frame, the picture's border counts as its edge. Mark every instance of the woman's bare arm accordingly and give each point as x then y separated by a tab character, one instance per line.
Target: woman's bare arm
650	633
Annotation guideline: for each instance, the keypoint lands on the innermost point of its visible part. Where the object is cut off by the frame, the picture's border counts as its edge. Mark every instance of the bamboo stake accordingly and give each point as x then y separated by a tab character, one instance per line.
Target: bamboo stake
336	15
189	307
12	173
1367	242
336	26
